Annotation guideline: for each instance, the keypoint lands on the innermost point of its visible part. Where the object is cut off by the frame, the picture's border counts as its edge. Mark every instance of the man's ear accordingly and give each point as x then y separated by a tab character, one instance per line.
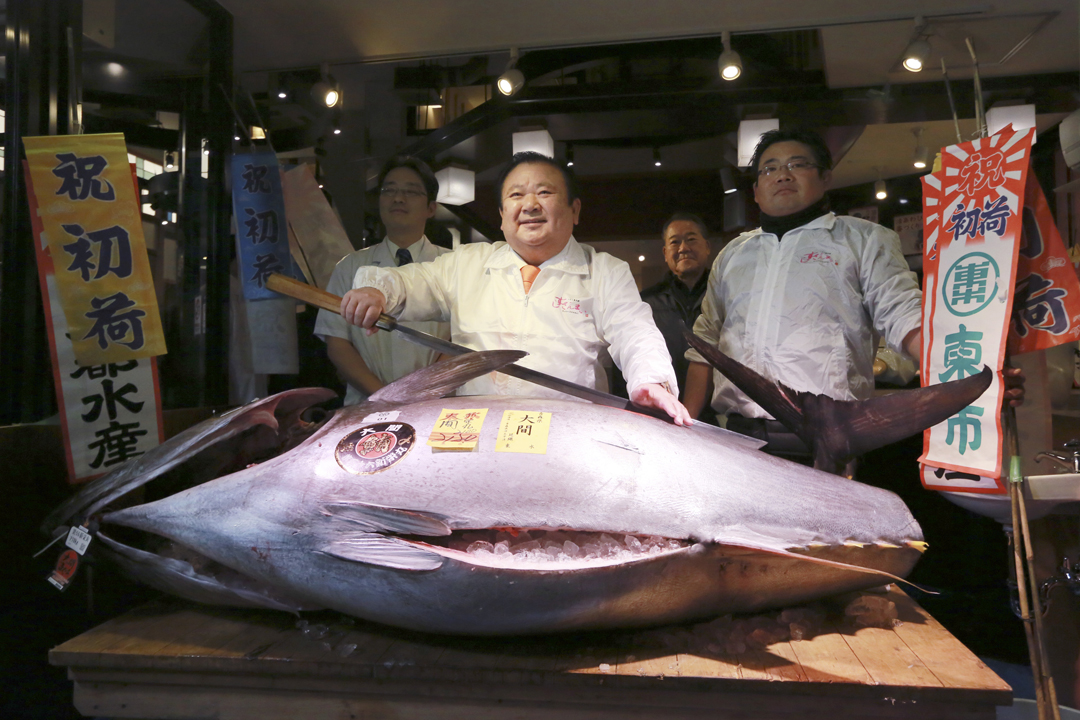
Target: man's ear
576	207
826	177
431	209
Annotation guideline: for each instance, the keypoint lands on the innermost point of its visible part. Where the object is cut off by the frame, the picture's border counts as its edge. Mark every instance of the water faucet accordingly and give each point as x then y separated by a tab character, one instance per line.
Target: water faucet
1068	462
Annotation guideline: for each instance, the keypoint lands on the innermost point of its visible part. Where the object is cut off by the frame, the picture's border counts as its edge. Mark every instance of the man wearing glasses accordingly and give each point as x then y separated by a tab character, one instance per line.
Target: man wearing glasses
800	299
567	305
407	191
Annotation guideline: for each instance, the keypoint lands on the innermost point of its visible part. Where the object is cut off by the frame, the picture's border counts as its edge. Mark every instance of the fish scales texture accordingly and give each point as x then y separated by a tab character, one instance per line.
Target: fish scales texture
605	470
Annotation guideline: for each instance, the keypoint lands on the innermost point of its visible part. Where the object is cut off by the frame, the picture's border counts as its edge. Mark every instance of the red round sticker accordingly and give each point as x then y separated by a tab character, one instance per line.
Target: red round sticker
66	564
375	448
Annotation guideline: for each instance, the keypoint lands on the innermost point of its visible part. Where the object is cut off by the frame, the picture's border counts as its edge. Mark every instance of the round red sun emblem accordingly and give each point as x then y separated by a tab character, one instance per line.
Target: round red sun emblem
375	448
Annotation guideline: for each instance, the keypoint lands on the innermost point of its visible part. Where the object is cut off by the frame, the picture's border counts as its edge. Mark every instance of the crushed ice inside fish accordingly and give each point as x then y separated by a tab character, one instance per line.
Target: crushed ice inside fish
552	547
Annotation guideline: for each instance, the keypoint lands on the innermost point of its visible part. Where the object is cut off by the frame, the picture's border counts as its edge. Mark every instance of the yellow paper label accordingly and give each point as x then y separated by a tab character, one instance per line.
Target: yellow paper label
90	216
524	431
457	429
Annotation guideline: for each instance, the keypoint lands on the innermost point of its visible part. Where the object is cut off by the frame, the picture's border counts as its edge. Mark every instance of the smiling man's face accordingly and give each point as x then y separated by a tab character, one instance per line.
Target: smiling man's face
787	192
537	216
685	250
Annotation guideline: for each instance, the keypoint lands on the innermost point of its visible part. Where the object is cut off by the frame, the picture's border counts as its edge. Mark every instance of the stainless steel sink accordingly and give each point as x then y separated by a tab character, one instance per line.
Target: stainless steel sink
1057	493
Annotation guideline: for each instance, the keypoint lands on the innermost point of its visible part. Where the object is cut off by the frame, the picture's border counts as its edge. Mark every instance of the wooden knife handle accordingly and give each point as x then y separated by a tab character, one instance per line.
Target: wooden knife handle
304	292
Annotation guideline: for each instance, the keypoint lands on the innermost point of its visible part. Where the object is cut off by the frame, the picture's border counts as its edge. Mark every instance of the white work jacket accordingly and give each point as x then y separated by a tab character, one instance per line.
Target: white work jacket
387	355
582	307
804	311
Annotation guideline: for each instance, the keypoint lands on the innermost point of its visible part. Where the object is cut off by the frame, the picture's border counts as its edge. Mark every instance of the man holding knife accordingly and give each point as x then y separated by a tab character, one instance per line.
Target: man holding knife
541	291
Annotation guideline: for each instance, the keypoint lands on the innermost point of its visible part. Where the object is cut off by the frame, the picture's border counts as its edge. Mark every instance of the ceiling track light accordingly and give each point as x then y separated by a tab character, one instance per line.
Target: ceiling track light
512	79
326	90
656	156
170	161
569	155
922	155
918	50
730	63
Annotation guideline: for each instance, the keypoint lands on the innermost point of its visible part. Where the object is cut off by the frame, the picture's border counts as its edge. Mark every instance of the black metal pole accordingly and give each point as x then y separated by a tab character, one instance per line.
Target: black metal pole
43	71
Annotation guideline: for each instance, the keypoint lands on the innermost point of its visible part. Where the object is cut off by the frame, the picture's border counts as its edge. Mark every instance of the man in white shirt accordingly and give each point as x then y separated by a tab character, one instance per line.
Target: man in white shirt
801	298
407	192
541	291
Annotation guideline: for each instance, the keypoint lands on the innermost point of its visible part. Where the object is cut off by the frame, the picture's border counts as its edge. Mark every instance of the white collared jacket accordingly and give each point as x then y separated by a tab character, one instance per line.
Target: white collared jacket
582	309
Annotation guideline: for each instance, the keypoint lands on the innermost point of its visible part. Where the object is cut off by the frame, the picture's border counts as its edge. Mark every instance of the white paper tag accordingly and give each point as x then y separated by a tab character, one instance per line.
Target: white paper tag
56	583
378	417
78	539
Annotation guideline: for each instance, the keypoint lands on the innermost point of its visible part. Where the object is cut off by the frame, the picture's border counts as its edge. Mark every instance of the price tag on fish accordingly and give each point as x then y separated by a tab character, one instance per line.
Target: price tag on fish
457	429
78	539
524	431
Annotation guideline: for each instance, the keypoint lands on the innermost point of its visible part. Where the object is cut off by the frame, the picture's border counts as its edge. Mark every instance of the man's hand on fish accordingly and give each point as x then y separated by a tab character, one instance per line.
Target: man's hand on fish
653	395
1014	386
363	307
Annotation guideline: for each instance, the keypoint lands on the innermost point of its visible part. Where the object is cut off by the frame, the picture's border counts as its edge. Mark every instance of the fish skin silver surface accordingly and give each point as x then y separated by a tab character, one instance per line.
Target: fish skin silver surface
304	530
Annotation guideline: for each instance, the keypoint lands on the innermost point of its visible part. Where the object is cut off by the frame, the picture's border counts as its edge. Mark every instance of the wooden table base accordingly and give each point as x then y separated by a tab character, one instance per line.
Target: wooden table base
176	660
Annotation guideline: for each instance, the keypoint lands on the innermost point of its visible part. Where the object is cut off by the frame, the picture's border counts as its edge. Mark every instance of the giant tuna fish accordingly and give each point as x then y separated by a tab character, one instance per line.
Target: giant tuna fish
626	520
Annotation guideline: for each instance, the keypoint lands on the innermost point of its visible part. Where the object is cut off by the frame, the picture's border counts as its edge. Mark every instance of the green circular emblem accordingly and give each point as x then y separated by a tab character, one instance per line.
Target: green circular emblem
970	284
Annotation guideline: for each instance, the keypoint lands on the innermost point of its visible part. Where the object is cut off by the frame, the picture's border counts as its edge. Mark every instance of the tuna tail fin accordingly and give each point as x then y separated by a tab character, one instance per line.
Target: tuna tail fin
442	378
837	430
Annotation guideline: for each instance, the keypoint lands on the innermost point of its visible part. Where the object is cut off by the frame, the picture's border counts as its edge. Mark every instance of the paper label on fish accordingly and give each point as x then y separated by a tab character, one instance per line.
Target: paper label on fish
375	448
78	539
524	431
66	565
380	417
457	429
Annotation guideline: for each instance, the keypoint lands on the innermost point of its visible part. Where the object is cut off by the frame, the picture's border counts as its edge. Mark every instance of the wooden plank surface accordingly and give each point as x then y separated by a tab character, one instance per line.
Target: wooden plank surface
671	672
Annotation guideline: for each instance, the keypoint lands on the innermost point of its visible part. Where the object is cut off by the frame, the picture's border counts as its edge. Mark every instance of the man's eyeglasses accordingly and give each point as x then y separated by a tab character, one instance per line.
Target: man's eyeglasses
795	166
409	193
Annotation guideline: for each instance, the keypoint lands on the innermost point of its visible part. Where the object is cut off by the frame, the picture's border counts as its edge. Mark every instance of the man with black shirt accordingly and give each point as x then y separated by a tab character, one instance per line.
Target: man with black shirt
800	299
676	300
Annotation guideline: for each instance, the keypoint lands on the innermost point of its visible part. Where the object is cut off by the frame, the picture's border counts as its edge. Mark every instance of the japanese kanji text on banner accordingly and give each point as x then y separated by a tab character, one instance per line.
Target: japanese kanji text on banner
109	412
90	219
972	213
261	232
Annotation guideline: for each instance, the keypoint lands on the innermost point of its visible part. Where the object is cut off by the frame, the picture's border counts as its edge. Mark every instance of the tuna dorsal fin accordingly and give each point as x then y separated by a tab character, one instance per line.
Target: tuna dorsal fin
444	377
375	549
837	430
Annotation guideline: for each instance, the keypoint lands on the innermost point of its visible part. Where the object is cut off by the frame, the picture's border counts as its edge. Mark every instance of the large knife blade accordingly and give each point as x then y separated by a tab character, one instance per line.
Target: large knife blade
328	301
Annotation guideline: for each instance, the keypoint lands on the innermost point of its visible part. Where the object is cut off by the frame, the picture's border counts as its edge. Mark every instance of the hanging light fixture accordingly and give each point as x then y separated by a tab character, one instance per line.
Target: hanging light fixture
880	192
512	79
918	50
569	155
170	161
922	154
656	156
730	63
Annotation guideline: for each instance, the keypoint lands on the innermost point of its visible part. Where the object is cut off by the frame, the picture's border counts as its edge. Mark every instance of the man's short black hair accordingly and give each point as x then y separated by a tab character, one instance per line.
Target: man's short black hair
685	217
431	184
809	138
573	190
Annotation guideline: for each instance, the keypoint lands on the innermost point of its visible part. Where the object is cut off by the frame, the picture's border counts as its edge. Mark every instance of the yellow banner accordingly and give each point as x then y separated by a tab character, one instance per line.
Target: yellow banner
457	429
89	215
524	431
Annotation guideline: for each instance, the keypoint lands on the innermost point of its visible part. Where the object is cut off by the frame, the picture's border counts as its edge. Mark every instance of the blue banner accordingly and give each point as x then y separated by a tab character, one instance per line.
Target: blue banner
261	233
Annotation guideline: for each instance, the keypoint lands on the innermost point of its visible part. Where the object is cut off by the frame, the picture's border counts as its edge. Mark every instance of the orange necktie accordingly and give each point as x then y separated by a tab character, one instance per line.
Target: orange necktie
528	274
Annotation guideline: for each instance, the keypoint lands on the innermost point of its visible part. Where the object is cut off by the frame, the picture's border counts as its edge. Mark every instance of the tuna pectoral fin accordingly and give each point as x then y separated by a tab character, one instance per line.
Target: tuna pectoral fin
375	549
442	378
838	429
375	518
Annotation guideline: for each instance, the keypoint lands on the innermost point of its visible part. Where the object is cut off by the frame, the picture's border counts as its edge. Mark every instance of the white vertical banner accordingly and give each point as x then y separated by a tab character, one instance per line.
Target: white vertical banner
969	279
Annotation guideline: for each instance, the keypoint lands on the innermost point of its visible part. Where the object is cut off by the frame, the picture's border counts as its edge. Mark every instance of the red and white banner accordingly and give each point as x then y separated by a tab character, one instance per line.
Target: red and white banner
969	272
108	412
1046	311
